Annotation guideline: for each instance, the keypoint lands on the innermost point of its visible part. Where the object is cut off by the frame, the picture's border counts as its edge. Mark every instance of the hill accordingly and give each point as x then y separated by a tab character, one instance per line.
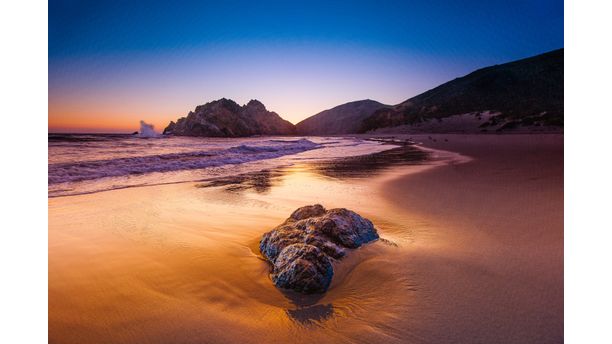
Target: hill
342	119
527	93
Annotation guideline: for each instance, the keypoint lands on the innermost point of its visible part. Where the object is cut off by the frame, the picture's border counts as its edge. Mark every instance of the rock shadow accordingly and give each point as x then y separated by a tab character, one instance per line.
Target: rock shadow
362	166
311	315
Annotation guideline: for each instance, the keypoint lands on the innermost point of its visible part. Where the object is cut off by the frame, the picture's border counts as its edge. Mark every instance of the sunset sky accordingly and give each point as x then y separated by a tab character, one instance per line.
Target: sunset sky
113	63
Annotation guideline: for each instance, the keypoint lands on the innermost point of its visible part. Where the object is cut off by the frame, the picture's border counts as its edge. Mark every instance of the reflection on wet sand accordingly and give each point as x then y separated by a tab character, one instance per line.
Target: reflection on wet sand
260	181
180	264
308	310
193	253
362	166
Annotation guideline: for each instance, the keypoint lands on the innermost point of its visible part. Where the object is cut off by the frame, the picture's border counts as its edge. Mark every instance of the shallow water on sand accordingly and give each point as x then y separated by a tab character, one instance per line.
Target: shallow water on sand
473	252
180	263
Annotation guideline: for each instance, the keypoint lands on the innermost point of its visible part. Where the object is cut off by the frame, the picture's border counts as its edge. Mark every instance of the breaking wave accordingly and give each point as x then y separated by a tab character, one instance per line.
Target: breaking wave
96	169
88	163
147	130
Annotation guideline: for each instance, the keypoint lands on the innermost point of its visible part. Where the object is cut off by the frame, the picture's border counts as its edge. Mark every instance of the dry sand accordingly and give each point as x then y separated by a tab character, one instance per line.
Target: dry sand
479	255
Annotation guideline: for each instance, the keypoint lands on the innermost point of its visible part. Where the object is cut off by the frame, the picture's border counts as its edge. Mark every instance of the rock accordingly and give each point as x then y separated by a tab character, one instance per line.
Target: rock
308	211
301	248
170	128
225	118
302	268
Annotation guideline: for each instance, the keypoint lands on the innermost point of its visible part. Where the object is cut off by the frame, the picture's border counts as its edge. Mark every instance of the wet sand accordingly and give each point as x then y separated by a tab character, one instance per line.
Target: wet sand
499	277
476	253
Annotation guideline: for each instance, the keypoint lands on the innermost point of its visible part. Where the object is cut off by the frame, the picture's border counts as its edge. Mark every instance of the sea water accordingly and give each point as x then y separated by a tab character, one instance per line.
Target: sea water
86	163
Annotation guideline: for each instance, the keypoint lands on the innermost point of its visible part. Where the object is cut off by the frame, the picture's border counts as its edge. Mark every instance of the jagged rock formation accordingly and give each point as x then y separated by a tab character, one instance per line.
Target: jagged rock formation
523	93
225	118
342	119
302	248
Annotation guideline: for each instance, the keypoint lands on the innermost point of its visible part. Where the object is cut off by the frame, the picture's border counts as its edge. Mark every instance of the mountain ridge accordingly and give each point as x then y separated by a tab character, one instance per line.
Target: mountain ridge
522	93
342	119
525	94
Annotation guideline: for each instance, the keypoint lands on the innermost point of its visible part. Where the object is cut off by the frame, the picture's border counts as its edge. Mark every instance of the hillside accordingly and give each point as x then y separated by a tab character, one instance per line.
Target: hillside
342	119
526	93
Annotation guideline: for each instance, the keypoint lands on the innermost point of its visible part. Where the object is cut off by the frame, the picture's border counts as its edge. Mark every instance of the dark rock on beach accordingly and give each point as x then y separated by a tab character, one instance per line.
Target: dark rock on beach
303	268
302	248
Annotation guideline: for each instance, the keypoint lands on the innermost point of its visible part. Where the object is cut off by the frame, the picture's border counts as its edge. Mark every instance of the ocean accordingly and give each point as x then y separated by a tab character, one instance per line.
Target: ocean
87	163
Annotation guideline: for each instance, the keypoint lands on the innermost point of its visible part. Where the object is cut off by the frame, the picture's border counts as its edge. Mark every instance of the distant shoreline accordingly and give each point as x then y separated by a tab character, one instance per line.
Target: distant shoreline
518	132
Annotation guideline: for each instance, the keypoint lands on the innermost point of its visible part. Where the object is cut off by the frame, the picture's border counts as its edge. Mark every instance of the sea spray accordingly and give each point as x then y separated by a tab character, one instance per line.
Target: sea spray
147	130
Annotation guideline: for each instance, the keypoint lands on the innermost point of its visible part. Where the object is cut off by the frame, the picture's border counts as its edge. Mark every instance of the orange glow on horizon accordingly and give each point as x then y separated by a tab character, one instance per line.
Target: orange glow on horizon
86	116
121	112
76	118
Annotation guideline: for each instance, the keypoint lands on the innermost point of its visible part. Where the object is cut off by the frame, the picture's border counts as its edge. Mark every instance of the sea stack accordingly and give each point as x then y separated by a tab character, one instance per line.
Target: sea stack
225	118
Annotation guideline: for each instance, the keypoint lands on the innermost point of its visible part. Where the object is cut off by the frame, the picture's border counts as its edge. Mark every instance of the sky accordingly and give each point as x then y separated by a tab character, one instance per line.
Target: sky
114	63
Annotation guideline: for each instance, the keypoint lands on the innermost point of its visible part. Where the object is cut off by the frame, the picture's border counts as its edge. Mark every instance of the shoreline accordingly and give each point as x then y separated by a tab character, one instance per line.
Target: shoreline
172	160
435	157
178	262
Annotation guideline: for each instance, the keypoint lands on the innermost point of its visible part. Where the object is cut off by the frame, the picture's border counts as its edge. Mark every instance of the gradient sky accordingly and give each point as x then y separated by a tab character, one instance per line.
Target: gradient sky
113	63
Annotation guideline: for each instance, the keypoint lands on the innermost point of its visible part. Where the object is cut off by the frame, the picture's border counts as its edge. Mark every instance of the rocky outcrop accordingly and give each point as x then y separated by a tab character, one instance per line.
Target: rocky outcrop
225	118
302	248
342	119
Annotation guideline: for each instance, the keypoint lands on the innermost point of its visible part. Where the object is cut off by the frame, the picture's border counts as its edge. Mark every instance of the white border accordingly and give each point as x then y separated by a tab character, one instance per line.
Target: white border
23	180
588	226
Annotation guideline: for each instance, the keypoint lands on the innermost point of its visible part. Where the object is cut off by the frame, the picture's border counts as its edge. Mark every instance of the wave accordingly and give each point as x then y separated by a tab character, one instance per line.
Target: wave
118	167
52	138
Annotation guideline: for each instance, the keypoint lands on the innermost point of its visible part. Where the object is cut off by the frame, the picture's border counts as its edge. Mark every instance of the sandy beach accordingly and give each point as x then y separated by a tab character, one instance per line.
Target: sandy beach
473	252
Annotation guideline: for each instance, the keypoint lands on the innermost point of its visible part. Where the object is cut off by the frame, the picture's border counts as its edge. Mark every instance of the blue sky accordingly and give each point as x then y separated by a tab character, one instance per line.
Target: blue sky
123	61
